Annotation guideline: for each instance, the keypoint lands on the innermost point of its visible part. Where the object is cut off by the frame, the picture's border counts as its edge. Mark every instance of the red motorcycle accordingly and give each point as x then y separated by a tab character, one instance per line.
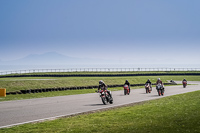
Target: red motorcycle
126	90
105	97
184	84
148	88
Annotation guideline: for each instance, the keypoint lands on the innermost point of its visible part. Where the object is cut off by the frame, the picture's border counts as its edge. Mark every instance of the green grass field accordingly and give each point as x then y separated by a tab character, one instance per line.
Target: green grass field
174	114
16	84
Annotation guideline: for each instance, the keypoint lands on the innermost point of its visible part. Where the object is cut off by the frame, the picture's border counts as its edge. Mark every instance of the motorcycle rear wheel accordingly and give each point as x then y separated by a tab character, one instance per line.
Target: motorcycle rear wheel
111	101
162	92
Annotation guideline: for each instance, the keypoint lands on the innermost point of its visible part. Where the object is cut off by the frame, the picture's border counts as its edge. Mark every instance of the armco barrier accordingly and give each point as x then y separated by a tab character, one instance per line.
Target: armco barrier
101	75
71	88
69	70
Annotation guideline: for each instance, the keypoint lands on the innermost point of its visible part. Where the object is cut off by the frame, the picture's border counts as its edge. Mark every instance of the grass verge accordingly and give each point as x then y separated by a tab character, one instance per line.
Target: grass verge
179	113
56	93
16	84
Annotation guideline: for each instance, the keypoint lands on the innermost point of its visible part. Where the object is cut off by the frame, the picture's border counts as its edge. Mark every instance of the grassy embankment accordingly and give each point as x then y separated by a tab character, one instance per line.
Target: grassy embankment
23	83
179	113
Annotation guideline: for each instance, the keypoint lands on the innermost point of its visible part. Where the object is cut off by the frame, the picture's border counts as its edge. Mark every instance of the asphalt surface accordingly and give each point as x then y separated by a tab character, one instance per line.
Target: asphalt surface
32	110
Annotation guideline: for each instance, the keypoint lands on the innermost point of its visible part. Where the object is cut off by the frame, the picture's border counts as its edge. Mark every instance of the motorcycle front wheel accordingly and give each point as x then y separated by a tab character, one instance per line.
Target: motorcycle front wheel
124	91
111	101
159	92
147	90
104	100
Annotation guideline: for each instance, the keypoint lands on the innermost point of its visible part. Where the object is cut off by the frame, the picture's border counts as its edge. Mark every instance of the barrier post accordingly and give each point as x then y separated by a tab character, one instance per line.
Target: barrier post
2	92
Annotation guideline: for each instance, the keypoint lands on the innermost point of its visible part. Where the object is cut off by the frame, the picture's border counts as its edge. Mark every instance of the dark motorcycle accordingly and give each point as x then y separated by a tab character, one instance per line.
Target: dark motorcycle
105	97
148	88
160	89
126	90
184	84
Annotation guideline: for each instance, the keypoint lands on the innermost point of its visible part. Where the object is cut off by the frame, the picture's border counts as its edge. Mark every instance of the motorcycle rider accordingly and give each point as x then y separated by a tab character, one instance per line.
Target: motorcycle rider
149	82
127	83
184	80
160	82
103	86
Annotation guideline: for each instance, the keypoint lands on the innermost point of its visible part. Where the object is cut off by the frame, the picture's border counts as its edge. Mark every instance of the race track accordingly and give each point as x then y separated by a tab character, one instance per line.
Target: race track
32	110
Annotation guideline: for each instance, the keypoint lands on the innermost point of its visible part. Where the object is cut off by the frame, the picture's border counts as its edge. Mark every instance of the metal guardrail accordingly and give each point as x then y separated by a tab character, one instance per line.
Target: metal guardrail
97	70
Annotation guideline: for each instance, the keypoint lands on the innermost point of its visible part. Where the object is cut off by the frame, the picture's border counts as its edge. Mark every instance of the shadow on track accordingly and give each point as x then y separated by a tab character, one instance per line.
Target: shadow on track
94	104
154	96
121	95
144	93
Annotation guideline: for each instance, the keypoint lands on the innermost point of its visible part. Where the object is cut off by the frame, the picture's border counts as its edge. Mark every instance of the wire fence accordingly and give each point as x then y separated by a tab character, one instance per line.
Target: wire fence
97	70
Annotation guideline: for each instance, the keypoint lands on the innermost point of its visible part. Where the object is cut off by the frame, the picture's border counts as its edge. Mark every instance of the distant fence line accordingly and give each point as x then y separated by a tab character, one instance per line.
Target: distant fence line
97	70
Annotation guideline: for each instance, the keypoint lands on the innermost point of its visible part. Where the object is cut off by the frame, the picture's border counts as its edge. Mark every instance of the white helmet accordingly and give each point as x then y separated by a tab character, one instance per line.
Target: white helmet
158	78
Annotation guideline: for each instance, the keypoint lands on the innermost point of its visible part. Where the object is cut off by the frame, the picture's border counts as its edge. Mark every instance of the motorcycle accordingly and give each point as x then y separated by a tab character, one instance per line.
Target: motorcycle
148	88
105	97
160	89
126	90
184	84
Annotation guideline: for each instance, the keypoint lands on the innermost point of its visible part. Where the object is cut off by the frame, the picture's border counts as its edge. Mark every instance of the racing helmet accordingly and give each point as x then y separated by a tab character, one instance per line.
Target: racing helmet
100	82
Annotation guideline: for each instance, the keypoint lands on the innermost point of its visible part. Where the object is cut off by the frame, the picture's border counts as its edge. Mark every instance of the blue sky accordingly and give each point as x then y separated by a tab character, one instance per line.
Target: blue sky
106	29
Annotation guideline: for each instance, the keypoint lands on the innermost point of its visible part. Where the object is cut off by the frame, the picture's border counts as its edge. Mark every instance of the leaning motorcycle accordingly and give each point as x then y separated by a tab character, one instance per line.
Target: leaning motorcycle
148	88
105	97
126	90
160	89
184	84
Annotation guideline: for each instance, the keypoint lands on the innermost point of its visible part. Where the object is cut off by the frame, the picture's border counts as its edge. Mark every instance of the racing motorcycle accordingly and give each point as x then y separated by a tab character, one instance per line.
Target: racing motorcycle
126	90
148	88
105	97
184	84
160	89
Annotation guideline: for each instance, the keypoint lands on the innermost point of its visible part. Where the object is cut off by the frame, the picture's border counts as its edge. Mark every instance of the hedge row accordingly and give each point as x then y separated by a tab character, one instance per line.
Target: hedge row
69	88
